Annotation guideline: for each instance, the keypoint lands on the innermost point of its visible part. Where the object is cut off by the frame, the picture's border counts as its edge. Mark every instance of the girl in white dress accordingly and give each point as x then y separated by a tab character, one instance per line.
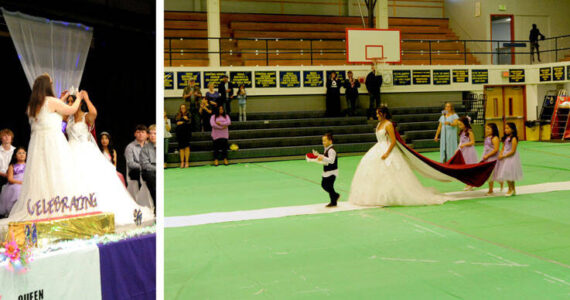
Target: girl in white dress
95	172
49	178
384	176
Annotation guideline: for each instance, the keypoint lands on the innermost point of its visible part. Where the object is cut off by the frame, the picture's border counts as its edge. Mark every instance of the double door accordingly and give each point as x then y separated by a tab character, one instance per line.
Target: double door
506	104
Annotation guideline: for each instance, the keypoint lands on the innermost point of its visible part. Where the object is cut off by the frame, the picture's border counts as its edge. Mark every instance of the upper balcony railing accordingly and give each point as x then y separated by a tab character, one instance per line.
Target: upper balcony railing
193	51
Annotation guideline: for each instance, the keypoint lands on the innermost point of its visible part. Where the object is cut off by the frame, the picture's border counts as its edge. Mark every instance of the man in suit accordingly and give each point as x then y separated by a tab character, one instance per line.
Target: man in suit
373	84
226	90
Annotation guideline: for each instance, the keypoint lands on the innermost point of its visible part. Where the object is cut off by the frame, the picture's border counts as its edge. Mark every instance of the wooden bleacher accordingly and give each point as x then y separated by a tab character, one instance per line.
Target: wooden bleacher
281	28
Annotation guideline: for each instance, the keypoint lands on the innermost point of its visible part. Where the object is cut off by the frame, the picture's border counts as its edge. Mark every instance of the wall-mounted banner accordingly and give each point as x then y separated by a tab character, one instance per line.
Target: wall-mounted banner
558	73
341	75
421	76
183	77
545	74
313	79
265	79
567	72
401	77
479	76
441	77
516	75
289	79
461	76
213	77
241	77
168	80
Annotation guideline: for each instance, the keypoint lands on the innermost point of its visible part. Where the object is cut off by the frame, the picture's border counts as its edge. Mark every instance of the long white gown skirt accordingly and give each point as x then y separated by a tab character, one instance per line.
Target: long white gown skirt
95	172
391	182
49	172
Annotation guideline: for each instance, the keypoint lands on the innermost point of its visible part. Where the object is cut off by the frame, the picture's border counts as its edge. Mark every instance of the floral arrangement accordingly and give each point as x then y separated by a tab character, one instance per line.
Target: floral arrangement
17	258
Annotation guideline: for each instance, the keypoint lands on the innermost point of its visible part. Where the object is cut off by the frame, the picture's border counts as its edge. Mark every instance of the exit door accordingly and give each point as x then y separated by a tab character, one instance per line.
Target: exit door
506	104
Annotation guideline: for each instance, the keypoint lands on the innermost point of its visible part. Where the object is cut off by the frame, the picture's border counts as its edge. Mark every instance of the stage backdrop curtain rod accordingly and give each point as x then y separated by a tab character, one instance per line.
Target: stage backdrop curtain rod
46	46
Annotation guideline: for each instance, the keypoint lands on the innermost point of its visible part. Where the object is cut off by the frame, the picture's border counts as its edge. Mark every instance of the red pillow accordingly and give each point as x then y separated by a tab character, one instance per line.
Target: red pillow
311	156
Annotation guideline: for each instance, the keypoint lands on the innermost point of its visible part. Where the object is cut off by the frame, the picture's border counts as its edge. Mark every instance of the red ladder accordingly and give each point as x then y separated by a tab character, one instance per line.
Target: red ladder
560	122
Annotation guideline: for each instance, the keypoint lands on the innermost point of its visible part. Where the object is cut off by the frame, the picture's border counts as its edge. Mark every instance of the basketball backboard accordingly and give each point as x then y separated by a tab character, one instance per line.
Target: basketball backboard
364	45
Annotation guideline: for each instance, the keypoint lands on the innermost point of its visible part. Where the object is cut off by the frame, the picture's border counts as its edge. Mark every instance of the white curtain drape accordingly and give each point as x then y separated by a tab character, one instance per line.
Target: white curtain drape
46	46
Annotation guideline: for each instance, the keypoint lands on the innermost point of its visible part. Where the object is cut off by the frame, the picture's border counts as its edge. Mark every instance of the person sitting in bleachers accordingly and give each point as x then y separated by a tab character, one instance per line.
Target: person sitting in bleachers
132	153
147	160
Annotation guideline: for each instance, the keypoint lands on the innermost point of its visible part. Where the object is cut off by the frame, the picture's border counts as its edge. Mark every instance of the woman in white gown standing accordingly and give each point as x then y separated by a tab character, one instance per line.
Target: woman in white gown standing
49	170
95	172
384	176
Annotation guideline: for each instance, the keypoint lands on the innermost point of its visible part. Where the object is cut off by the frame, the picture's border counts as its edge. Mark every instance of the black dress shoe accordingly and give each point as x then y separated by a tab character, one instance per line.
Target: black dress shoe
331	205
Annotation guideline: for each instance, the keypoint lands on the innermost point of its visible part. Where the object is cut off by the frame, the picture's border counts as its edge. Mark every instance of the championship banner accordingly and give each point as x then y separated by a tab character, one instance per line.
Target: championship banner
238	78
265	79
516	75
480	76
401	77
461	76
290	79
182	79
558	73
65	274
313	79
213	77
421	77
545	74
441	77
168	80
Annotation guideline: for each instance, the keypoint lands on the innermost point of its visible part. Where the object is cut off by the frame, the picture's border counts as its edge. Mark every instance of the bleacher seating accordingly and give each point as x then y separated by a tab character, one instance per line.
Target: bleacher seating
269	136
280	29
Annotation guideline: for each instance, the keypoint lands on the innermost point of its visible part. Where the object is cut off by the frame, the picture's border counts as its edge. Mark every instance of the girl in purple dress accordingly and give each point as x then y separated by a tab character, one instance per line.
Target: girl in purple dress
491	150
467	144
509	167
11	190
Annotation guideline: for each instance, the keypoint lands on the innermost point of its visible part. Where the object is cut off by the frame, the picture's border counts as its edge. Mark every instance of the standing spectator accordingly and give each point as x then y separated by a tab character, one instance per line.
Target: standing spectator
6	151
194	108
448	129
333	96
205	113
148	163
220	135
373	84
533	38
212	96
242	98
132	153
351	86
189	92
167	135
183	135
226	90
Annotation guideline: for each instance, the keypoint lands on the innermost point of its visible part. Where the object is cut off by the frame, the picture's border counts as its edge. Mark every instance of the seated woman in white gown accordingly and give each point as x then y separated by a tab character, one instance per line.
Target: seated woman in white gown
95	172
384	176
49	188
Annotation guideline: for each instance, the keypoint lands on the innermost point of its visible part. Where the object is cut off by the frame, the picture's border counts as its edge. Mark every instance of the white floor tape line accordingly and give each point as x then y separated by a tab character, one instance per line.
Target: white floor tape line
279	212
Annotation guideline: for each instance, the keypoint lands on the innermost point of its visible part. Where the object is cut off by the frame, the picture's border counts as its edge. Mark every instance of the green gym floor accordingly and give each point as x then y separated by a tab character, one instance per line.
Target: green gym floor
485	248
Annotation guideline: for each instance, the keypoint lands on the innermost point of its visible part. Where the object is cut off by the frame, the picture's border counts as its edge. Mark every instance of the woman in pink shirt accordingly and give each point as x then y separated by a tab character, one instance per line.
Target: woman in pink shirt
220	122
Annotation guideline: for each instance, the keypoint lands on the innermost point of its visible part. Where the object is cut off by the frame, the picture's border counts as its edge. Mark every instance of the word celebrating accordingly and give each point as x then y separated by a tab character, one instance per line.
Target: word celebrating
61	205
35	295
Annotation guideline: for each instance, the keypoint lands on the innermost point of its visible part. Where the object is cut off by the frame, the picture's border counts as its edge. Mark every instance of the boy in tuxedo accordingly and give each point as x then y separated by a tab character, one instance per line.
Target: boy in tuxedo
329	160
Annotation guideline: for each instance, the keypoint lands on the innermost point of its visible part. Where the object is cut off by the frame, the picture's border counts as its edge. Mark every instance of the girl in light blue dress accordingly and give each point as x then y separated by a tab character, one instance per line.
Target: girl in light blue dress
448	129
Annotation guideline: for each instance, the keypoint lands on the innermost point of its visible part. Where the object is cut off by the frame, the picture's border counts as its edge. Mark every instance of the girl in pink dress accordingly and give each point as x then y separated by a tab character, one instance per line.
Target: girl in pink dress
491	150
509	167
467	144
11	190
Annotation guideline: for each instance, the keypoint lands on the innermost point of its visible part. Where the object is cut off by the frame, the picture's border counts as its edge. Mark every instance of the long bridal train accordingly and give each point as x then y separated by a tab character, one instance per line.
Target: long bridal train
392	182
